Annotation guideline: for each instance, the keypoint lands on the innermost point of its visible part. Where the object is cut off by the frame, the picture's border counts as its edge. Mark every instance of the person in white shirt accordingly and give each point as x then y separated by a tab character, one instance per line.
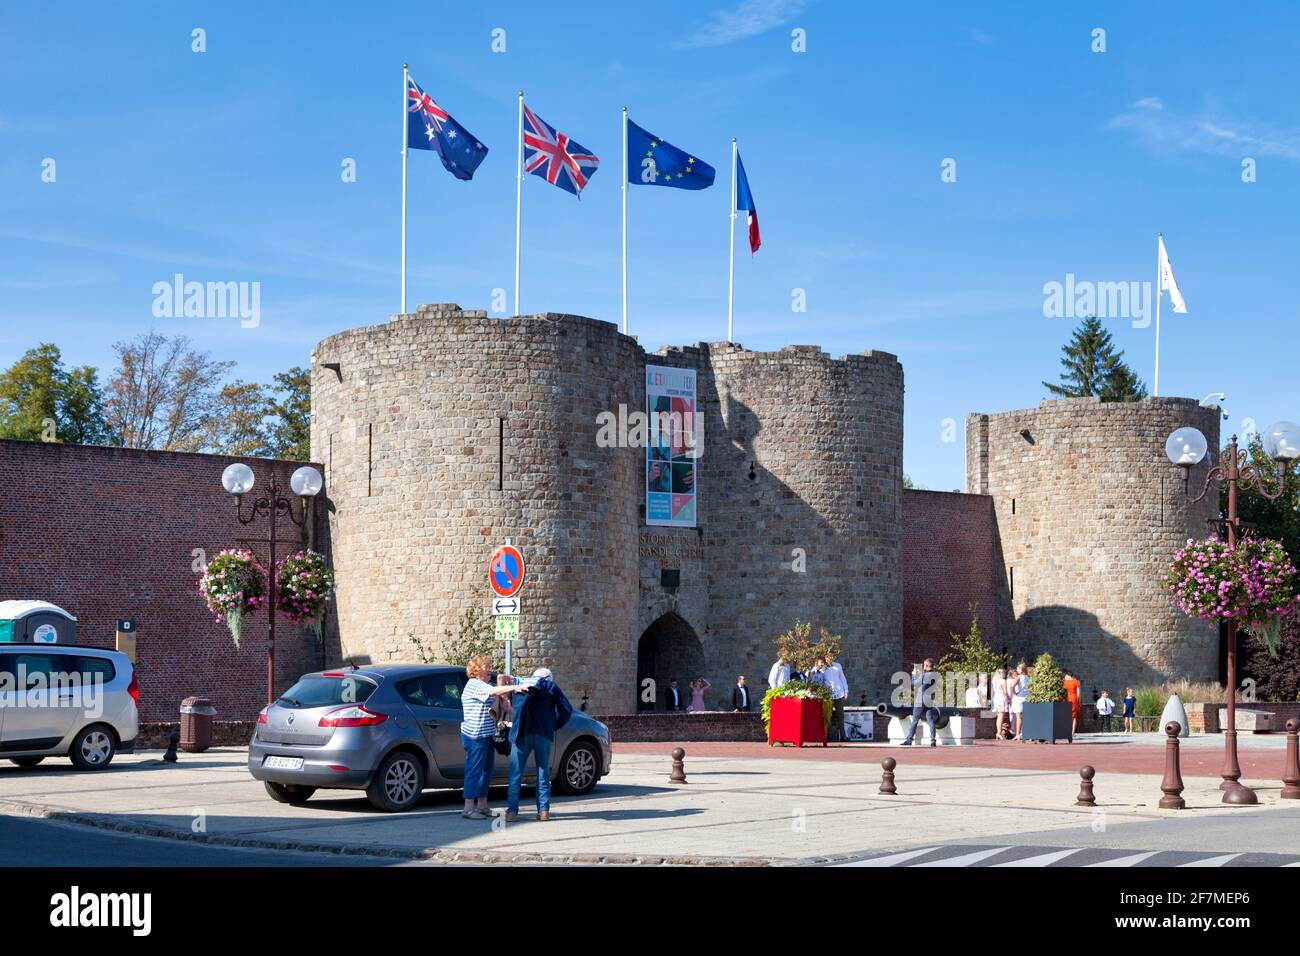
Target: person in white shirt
1105	707
779	674
830	674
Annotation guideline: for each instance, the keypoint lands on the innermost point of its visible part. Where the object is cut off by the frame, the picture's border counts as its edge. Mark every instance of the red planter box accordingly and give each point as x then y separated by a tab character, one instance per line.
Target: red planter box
796	721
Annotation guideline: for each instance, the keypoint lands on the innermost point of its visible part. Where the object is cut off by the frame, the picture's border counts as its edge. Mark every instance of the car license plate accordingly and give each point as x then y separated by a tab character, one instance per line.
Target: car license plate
282	763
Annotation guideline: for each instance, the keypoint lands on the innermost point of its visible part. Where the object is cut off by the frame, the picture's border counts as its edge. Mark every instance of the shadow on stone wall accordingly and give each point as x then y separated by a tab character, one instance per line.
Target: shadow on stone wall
1098	658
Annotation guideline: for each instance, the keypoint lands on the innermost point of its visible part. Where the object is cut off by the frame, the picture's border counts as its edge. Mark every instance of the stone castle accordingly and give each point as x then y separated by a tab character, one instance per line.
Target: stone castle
443	433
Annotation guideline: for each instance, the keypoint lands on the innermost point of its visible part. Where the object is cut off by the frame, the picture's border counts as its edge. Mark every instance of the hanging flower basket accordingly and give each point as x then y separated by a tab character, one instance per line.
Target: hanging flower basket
1253	585
233	584
304	583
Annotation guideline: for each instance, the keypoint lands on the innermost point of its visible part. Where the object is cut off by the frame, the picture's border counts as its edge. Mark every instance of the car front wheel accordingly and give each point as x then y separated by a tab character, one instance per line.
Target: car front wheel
93	748
580	769
397	784
288	792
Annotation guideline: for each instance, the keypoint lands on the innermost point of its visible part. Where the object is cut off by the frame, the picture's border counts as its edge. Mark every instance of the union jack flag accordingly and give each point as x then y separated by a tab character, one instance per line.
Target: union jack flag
554	156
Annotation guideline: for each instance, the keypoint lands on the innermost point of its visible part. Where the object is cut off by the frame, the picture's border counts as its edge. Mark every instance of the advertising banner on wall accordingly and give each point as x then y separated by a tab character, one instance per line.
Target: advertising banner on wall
673	447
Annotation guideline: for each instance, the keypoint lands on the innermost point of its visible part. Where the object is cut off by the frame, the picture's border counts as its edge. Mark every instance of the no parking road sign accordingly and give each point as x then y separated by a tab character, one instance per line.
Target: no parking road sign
506	571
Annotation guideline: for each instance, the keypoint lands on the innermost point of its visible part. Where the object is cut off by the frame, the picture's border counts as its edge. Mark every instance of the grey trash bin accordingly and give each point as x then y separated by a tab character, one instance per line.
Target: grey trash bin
197	714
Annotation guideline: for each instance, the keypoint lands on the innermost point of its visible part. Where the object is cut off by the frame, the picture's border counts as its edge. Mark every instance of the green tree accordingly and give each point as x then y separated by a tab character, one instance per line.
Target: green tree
1278	519
1093	367
970	652
290	427
42	400
238	423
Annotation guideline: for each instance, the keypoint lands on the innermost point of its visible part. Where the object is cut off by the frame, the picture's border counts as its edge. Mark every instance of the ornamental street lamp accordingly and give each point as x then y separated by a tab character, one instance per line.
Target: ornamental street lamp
1185	448
238	479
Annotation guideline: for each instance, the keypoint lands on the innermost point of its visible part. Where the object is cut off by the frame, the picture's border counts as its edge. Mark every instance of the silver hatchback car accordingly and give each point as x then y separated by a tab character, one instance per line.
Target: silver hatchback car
393	731
62	700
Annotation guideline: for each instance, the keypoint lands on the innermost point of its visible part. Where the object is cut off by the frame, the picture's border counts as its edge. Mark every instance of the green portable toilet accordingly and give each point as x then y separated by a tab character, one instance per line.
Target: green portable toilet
36	622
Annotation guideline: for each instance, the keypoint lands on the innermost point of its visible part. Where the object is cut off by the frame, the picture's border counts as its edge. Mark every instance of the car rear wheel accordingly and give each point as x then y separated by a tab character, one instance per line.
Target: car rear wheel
93	748
397	784
288	792
580	769
26	762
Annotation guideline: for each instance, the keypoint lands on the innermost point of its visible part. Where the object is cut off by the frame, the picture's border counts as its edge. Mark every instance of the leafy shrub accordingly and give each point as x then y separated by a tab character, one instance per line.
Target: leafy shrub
970	652
1047	685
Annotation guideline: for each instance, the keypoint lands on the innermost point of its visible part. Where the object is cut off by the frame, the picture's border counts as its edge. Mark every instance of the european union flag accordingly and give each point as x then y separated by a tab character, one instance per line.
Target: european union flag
652	162
429	126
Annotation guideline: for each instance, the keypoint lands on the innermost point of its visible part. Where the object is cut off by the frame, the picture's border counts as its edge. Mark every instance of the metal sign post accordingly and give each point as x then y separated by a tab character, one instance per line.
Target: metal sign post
506	578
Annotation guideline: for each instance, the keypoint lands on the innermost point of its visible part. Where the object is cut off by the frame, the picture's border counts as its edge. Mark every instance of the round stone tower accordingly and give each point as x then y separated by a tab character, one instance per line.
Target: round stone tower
443	433
804	467
1089	514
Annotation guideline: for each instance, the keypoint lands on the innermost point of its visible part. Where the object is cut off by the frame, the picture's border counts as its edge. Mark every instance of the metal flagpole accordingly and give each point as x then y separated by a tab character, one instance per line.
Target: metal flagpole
405	132
519	195
731	268
625	220
1155	391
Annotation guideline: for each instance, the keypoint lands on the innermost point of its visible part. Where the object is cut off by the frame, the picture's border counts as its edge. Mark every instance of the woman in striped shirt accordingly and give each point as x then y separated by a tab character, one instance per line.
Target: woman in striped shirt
476	730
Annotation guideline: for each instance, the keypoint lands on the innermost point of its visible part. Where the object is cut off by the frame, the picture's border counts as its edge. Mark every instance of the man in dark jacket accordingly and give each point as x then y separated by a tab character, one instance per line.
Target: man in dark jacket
537	716
673	699
740	694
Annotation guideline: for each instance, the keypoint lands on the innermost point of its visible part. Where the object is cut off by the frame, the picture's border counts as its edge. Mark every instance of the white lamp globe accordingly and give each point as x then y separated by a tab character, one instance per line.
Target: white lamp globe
1186	446
306	481
237	478
1282	441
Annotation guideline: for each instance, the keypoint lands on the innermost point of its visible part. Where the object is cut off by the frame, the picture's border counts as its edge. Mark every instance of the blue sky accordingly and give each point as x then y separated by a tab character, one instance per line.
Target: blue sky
225	166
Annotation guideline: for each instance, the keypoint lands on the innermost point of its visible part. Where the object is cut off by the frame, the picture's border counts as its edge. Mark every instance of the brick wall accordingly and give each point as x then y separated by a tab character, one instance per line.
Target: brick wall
950	565
109	533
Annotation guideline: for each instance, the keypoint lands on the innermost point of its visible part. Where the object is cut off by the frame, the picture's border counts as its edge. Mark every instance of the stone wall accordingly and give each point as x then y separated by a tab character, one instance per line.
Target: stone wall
109	533
1089	514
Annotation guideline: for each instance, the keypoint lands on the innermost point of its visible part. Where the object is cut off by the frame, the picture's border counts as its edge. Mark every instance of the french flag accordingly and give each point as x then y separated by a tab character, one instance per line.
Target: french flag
745	202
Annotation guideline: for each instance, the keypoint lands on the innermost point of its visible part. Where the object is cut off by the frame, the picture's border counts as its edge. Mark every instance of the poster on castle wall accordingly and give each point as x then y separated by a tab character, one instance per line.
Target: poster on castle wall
672	447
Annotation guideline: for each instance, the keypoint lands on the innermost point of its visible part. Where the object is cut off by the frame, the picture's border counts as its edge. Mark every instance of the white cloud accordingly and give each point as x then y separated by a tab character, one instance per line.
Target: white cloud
1169	131
749	18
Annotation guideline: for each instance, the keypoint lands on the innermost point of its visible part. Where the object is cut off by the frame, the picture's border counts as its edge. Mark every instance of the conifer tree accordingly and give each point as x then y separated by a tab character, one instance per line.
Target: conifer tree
1094	367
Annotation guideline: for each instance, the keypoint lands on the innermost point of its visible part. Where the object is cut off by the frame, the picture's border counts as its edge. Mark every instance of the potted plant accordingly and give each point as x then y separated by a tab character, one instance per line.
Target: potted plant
1047	712
799	711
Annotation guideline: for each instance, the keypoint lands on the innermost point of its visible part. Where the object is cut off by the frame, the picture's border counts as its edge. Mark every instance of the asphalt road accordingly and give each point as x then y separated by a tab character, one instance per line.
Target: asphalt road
32	841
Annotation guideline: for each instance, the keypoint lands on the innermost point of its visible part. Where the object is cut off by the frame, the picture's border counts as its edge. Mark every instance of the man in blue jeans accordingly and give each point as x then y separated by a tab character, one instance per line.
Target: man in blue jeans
543	711
925	690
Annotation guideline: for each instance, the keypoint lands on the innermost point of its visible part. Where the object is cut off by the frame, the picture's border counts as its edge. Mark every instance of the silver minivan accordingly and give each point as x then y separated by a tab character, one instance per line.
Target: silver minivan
62	700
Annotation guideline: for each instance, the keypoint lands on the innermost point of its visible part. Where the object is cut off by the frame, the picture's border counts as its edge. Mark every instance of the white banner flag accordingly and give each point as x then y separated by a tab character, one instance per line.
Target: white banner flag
1168	282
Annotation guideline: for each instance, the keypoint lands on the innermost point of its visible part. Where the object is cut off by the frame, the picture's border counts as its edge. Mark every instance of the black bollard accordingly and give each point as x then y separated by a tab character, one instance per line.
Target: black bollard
173	740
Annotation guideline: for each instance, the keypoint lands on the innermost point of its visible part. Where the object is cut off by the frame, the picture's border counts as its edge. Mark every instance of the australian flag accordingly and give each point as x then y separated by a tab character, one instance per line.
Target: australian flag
429	126
652	162
555	157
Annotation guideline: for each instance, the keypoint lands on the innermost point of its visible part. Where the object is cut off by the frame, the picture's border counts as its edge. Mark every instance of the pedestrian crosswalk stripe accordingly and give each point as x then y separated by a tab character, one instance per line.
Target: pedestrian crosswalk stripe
966	859
1133	860
1043	859
1040	856
892	860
